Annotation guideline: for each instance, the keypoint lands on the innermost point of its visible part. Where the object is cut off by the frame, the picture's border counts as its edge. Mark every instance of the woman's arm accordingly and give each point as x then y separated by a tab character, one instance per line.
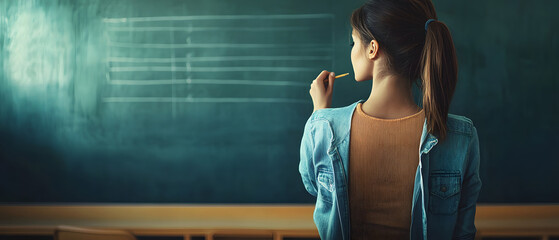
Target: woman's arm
465	227
306	164
321	95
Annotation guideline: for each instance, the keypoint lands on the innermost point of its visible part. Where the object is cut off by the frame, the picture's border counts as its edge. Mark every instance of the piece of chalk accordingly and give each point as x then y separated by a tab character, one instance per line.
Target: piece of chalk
342	75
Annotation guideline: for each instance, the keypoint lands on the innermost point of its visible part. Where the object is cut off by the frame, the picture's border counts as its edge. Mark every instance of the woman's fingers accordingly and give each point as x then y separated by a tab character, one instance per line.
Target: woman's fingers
321	90
322	75
324	81
331	79
320	80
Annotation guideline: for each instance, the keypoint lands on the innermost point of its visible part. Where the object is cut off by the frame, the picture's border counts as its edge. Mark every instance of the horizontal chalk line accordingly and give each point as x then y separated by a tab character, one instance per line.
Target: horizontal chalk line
209	69
217	17
200	100
217	59
206	81
200	29
216	45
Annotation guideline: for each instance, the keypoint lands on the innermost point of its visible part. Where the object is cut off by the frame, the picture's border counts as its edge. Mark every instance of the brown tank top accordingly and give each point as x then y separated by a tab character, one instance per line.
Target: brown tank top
383	159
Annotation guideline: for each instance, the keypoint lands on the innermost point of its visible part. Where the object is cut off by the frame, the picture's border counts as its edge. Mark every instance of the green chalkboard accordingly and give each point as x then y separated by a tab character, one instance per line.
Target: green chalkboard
508	84
172	101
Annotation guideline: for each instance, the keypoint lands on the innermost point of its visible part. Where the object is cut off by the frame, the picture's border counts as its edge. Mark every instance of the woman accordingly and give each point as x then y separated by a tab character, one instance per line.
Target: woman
386	168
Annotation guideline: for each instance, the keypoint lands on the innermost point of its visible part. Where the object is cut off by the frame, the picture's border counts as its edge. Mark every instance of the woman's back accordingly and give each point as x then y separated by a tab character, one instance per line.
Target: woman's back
446	184
383	159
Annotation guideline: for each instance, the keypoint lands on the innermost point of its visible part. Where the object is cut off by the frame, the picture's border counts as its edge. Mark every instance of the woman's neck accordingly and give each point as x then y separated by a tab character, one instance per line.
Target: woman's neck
390	98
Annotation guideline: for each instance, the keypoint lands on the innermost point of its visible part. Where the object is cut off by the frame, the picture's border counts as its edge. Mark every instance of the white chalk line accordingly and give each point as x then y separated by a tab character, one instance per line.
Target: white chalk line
201	29
210	69
217	17
217	59
216	45
199	100
206	81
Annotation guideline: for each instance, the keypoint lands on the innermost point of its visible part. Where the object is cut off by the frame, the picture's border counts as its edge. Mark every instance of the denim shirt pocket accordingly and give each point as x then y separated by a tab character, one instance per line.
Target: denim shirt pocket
444	188
326	185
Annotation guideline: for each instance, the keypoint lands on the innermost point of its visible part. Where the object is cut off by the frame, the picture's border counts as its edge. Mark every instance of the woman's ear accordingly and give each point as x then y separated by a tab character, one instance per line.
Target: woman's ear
372	49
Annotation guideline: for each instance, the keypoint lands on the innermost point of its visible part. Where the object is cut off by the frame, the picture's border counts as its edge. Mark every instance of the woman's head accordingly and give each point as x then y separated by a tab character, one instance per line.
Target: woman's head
390	35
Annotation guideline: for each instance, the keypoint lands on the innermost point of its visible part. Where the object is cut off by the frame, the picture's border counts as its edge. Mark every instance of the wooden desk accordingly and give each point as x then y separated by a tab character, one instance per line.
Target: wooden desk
273	221
517	220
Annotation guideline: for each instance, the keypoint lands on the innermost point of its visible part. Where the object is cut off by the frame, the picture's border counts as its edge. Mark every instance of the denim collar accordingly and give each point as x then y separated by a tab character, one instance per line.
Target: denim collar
428	140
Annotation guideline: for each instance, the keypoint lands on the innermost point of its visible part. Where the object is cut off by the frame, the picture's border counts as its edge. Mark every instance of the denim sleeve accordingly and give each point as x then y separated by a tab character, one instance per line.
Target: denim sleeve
465	227
306	164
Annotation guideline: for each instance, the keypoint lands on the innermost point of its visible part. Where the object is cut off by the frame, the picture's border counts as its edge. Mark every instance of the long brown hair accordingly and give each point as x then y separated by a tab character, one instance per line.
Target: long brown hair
413	52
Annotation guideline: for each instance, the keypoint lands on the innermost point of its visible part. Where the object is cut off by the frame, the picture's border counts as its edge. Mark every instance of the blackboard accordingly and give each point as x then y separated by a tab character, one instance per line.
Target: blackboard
205	101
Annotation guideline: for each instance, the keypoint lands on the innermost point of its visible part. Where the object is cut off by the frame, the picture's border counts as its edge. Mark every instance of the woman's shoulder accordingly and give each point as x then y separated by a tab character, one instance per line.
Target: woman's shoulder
334	114
335	121
460	124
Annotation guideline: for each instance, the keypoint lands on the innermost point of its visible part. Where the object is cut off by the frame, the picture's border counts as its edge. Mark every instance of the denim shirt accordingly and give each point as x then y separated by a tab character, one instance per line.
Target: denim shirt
446	185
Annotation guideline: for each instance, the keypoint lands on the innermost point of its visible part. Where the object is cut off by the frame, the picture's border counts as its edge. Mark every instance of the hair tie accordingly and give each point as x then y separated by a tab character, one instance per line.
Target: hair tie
427	23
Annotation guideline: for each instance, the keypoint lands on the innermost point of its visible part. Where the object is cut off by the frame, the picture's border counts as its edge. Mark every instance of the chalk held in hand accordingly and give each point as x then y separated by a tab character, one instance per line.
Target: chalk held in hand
339	76
342	75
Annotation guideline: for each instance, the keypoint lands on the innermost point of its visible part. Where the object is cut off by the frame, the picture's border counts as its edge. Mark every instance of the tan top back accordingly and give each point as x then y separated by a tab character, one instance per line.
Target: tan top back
383	159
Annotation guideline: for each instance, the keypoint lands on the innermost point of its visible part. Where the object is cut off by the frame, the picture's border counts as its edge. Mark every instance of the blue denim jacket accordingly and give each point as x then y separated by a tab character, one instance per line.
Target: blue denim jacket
446	187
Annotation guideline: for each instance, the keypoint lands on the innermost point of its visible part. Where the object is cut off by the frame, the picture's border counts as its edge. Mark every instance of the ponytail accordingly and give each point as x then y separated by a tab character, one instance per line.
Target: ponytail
439	74
416	48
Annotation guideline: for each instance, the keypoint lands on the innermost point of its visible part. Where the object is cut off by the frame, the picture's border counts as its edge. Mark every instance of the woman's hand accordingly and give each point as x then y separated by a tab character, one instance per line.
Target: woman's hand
321	90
